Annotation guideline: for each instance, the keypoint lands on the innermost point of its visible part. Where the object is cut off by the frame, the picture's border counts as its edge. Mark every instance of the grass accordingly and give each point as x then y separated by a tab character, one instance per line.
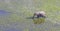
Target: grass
20	11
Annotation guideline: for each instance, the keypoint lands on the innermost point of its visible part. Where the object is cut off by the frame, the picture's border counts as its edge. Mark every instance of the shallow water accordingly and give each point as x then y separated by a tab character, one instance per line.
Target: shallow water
19	10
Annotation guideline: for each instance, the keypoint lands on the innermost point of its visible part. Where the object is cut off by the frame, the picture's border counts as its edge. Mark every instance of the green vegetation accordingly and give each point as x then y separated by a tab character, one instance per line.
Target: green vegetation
38	20
21	10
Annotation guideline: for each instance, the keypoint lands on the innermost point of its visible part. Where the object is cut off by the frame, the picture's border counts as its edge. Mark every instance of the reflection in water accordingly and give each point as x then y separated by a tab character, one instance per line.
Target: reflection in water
3	12
38	20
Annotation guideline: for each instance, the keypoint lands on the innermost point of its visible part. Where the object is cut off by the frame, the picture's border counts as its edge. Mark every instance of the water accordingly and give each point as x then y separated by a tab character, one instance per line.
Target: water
20	10
4	13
